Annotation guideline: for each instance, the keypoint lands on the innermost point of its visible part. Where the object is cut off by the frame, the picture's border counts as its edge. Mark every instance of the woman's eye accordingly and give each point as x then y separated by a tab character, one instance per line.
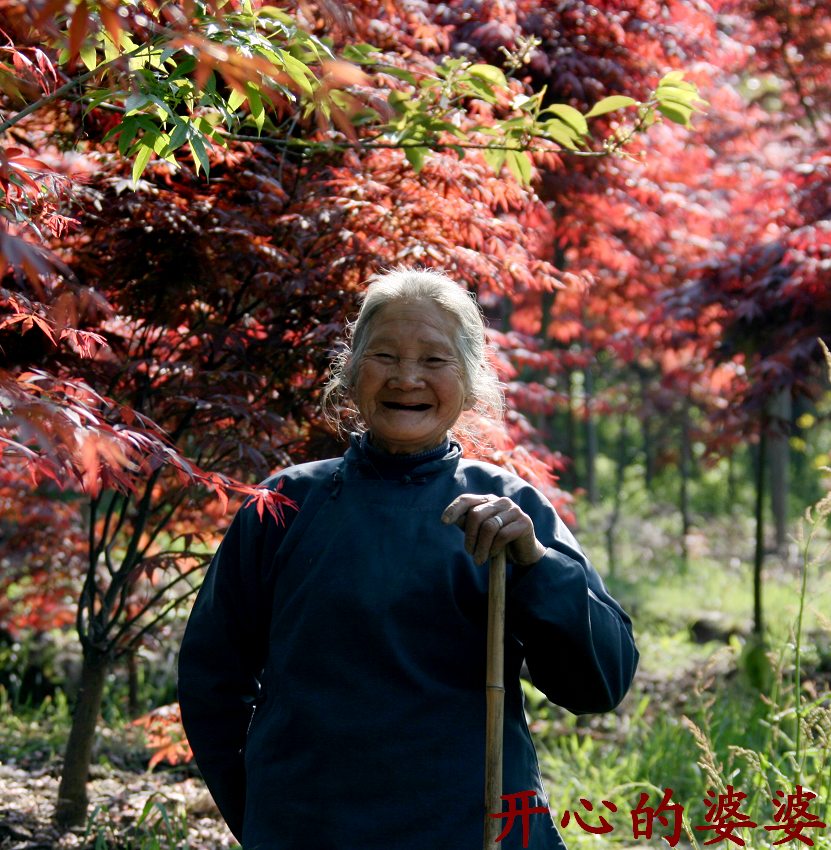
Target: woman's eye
436	361
383	355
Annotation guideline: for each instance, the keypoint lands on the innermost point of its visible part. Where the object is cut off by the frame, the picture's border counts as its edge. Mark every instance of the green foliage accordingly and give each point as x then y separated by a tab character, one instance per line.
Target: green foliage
726	735
253	70
160	826
33	735
176	98
707	728
677	98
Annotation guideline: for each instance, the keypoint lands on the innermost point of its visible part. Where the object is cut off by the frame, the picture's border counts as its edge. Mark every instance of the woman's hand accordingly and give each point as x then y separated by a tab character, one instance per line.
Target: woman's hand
491	523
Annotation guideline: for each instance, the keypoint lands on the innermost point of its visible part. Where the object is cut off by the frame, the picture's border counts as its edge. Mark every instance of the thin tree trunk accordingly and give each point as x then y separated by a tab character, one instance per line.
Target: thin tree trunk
546	306
507	310
778	449
759	555
648	437
133	708
684	495
71	809
570	476
591	437
620	480
732	507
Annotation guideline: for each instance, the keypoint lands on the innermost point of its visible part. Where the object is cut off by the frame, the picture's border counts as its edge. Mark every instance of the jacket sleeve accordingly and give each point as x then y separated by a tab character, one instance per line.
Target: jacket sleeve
577	640
221	658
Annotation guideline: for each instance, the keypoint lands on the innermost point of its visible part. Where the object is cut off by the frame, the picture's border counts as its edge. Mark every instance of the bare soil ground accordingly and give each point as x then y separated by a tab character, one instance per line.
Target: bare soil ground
181	813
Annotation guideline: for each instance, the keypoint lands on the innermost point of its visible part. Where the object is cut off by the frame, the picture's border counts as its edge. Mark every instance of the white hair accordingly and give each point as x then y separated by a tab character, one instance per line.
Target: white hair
405	285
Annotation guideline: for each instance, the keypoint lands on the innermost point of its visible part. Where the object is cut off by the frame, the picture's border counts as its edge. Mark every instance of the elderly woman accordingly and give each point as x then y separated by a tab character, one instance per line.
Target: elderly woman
332	672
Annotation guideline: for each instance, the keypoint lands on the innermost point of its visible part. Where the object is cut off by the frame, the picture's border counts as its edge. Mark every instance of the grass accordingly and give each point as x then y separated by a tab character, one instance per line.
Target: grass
33	735
694	721
160	826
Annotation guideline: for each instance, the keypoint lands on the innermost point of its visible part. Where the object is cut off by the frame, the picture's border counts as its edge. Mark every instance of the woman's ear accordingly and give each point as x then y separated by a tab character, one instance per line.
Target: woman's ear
469	402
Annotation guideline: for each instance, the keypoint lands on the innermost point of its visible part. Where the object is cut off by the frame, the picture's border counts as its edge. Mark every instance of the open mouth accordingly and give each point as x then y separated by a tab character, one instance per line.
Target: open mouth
397	405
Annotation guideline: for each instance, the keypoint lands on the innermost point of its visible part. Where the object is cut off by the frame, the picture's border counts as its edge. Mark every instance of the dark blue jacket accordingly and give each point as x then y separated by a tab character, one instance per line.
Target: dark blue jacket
332	672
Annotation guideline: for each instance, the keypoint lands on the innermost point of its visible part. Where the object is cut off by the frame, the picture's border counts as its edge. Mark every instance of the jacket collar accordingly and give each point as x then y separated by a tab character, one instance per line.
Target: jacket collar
365	461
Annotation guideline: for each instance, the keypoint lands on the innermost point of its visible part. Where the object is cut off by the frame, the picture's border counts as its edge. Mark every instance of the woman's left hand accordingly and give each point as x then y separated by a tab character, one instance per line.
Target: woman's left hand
491	523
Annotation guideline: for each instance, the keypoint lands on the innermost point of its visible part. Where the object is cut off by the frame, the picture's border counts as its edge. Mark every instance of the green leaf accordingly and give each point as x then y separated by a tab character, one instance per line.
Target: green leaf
141	160
677	113
435	126
560	133
677	103
277	14
610	104
136	102
681	85
363	117
146	123
129	127
89	56
299	72
519	164
676	92
179	136
99	97
401	102
482	89
200	155
256	104
184	69
110	50
161	147
520	124
152	58
522	101
671	78
678	95
449	67
362	55
570	116
235	100
489	73
163	110
399	73
495	158
415	156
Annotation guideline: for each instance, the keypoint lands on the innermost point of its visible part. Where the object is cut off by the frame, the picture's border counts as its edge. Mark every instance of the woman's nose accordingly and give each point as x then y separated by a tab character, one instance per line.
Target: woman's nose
407	374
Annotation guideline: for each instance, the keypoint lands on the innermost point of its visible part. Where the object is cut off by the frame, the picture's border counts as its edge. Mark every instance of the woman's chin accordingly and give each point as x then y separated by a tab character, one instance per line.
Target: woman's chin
405	440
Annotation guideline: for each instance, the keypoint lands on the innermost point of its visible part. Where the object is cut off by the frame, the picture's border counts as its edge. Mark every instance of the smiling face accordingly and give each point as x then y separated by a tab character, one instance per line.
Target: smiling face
409	387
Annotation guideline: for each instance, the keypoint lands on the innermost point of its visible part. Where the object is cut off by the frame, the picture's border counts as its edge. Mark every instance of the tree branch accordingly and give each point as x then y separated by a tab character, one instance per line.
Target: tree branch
148	605
67	87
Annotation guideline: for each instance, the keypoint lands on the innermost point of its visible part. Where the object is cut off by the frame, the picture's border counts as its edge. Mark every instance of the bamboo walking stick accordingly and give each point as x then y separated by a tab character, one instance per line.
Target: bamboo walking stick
495	694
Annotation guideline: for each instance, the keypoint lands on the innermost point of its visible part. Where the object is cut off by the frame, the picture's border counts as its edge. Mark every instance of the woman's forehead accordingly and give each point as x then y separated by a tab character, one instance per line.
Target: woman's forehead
421	321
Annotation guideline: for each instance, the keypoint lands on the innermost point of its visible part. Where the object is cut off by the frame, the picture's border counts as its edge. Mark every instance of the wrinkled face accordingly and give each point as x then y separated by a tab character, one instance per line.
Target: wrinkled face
409	387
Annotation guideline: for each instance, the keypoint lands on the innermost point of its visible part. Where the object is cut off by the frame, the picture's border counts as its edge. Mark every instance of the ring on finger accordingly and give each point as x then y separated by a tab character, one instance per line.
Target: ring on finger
498	519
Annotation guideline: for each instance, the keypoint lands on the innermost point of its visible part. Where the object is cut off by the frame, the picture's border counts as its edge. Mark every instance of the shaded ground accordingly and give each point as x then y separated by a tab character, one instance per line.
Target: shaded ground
178	812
